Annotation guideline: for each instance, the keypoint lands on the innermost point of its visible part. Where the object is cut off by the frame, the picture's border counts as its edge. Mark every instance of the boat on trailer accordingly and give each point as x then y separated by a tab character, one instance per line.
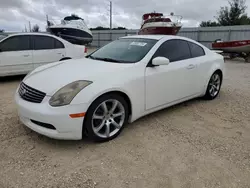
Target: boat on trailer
240	48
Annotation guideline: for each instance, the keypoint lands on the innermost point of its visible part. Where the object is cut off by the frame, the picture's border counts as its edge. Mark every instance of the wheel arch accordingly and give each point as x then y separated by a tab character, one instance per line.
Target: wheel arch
65	58
216	69
118	92
220	72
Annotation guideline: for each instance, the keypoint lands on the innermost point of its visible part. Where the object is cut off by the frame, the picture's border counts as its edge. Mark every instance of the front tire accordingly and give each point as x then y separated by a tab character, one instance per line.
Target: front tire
214	86
106	118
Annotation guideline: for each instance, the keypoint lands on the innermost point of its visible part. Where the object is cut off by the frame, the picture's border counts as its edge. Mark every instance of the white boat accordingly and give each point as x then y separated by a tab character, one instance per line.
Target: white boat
72	29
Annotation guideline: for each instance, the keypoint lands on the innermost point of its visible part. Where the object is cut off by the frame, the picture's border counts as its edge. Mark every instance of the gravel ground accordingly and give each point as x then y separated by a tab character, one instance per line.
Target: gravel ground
195	144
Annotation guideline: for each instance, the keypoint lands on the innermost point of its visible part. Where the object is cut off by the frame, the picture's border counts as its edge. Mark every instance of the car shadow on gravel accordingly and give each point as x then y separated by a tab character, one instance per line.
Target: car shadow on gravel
8	79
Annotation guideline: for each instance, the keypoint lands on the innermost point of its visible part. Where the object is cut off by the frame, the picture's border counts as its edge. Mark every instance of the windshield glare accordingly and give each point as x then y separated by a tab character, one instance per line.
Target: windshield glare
125	50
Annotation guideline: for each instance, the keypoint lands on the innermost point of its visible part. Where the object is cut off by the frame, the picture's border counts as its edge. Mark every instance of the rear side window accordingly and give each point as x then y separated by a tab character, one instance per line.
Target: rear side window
174	50
58	44
46	43
196	50
15	43
43	43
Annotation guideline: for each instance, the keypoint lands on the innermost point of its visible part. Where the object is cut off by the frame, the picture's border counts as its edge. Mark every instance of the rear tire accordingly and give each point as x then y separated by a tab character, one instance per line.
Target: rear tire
214	86
106	118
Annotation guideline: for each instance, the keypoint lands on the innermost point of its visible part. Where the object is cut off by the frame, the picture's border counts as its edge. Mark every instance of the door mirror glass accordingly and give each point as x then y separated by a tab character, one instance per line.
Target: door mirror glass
160	61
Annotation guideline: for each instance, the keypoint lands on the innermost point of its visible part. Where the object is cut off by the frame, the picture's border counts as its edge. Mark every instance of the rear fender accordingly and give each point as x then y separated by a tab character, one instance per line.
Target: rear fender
214	68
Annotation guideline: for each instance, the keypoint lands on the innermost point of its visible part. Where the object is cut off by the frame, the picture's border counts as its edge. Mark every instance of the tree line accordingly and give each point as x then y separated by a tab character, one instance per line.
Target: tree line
234	14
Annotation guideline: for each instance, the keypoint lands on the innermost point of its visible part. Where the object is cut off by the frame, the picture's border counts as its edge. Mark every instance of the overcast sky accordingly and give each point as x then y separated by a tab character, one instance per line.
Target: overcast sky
15	14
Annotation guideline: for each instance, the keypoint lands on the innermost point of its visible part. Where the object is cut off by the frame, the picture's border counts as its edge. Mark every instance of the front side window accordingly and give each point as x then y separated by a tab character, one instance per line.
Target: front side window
15	43
125	50
43	43
174	50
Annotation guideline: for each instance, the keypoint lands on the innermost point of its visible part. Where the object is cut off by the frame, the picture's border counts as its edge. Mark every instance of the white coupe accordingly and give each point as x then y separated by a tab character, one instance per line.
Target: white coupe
119	83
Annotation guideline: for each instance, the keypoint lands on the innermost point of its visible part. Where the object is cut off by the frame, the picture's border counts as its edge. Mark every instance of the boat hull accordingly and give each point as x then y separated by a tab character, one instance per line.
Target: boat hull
159	31
75	36
233	46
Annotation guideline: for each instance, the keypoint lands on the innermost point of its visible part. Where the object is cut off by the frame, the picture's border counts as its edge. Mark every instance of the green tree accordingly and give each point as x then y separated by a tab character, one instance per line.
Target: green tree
35	28
234	14
209	24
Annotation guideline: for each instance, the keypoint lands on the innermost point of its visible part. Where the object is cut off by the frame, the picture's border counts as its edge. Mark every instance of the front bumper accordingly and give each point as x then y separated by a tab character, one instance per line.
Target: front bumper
65	127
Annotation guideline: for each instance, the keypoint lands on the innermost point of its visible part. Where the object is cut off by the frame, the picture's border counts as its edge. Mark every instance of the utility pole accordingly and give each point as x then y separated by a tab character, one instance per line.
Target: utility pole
47	20
29	26
110	15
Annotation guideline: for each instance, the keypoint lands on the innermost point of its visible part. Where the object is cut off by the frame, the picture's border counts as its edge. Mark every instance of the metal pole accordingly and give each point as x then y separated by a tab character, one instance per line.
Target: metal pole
29	26
229	35
110	15
47	19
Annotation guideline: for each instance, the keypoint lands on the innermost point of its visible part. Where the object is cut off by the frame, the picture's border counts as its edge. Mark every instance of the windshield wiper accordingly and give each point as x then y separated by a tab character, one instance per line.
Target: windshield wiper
109	60
90	56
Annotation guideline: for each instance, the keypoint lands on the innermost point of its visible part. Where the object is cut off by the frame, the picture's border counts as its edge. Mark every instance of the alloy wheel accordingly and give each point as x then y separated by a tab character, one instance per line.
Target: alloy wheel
108	118
214	85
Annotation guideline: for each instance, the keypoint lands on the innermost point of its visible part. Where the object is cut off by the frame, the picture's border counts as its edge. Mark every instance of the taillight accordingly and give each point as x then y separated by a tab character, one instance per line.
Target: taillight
85	50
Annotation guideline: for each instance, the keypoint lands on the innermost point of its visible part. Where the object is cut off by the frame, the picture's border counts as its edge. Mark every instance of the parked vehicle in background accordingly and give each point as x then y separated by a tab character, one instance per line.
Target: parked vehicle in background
118	83
20	53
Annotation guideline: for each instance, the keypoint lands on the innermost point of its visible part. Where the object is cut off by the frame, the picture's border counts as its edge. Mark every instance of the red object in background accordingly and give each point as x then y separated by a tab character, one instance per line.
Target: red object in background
157	24
232	46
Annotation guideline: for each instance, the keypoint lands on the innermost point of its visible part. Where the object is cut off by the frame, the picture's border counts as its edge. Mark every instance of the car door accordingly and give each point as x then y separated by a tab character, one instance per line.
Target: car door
202	64
15	55
47	49
175	81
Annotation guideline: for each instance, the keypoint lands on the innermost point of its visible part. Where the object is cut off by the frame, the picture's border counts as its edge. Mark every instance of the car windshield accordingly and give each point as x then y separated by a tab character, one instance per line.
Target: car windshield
124	50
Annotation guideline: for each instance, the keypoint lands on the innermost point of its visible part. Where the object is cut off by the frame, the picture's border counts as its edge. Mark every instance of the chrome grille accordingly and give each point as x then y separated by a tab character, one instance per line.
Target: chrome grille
30	94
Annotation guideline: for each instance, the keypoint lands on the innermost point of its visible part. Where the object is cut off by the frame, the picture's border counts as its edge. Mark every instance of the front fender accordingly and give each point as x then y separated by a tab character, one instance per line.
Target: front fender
134	90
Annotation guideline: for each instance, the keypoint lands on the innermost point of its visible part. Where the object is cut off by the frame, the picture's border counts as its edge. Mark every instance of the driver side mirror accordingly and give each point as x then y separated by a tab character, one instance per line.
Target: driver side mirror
160	61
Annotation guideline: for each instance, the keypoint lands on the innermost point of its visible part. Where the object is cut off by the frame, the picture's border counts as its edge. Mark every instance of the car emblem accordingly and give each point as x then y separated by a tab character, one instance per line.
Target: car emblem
23	91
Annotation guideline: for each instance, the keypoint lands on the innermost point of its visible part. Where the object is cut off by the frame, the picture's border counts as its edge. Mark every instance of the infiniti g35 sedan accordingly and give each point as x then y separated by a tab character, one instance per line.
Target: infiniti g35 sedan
122	81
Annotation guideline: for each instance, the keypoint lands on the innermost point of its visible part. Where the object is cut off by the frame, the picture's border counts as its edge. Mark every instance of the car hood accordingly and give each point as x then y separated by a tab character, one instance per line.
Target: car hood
51	77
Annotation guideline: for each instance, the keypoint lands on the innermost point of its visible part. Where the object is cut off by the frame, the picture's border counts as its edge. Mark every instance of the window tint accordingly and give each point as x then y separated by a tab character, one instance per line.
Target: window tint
58	44
174	50
196	50
16	43
43	43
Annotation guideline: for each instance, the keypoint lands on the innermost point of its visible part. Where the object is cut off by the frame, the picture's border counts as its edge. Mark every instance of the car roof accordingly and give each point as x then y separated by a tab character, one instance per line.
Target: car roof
31	33
39	34
155	37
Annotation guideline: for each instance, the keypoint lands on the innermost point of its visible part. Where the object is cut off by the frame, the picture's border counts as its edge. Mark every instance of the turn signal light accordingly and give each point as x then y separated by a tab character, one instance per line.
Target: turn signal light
77	115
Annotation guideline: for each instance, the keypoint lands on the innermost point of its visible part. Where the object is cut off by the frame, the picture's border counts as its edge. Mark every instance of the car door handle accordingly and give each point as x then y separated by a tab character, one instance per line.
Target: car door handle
191	66
59	53
26	55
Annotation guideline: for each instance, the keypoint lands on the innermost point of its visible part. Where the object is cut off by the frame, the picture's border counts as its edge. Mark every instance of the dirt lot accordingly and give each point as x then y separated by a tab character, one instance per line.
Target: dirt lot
195	144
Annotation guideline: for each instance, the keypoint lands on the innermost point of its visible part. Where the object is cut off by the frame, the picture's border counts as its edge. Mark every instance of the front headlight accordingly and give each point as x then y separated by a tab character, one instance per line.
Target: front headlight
66	94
